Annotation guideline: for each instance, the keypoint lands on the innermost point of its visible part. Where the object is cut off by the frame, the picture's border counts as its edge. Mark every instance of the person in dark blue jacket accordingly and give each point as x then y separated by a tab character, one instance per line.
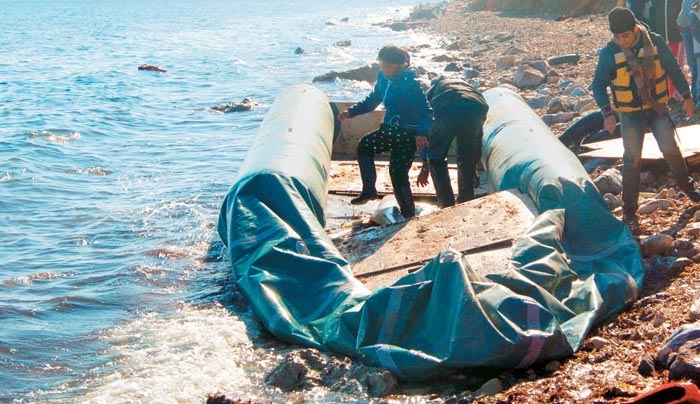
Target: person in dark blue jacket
635	65
405	127
688	31
665	14
643	10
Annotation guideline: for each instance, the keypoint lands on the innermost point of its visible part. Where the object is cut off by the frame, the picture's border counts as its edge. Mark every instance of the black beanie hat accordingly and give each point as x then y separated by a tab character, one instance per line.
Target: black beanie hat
621	20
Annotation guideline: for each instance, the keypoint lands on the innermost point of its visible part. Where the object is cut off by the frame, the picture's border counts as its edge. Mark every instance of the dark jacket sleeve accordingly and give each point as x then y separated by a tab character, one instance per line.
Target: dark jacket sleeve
422	107
604	75
670	64
373	99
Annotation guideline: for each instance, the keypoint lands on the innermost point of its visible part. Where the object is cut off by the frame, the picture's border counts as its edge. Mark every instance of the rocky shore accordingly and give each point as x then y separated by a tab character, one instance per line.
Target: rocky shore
550	62
627	354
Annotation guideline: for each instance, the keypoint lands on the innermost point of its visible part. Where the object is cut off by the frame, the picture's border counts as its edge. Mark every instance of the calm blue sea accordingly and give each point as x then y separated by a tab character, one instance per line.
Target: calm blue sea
113	283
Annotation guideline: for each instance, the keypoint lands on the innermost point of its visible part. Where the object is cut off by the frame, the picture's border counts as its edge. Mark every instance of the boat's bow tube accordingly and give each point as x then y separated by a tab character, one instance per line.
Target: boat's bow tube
272	223
295	141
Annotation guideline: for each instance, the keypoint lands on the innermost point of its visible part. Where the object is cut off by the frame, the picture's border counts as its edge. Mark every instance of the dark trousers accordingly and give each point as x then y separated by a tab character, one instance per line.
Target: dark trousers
461	122
401	142
633	126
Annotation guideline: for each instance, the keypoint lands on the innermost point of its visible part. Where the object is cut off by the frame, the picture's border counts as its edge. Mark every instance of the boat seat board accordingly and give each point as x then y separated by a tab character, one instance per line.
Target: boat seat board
688	140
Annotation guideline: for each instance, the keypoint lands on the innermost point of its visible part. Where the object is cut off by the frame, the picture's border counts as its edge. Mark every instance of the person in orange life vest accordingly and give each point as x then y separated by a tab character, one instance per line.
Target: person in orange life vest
635	65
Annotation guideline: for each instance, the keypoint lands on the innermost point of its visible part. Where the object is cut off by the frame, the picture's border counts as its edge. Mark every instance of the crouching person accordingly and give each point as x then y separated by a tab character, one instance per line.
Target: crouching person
404	129
459	112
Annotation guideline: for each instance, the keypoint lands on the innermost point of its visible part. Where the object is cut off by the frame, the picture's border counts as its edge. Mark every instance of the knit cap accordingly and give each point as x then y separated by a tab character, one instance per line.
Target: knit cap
621	20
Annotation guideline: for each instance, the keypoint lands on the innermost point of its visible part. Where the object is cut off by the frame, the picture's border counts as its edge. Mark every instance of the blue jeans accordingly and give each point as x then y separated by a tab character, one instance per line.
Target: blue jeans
633	126
687	36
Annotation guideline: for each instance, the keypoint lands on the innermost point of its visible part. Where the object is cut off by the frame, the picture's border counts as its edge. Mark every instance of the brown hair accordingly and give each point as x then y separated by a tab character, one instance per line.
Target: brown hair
394	55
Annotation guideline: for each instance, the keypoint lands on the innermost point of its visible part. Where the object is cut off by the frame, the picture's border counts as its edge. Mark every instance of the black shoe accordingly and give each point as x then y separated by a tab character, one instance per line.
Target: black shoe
363	198
632	223
693	195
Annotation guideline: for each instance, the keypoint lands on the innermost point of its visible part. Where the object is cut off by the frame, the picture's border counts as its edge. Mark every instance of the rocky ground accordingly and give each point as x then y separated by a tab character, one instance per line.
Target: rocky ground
617	361
493	49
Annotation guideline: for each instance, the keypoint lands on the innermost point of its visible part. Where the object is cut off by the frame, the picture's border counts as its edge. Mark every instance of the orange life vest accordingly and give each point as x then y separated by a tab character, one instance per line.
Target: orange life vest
625	93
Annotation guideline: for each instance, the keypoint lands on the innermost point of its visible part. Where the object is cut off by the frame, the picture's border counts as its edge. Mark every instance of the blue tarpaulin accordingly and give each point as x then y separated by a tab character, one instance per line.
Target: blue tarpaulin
575	266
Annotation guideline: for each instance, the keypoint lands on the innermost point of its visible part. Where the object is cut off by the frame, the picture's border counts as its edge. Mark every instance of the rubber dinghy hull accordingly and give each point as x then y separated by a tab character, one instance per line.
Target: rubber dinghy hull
576	265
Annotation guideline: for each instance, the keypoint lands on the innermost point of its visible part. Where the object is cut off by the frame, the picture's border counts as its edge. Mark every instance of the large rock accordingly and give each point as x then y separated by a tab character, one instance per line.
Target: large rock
609	182
364	73
559	60
427	11
528	76
310	368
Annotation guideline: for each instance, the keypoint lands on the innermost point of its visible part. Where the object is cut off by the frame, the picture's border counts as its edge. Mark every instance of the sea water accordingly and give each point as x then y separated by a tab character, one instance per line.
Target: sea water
114	286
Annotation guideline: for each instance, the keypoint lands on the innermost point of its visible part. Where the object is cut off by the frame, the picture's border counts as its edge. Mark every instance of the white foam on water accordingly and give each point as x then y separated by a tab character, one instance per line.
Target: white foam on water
182	359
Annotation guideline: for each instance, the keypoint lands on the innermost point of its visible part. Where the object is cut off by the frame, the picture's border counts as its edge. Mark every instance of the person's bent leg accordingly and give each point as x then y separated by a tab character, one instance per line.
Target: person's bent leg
664	131
366	149
441	135
441	181
584	127
468	149
402	155
632	126
404	197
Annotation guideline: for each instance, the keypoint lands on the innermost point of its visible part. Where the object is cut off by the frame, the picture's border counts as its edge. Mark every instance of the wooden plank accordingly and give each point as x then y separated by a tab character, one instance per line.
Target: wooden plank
485	228
344	179
353	129
689	142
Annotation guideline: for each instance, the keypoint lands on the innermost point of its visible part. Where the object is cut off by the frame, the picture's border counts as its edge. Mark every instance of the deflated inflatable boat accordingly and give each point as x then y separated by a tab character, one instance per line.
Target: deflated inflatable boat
574	266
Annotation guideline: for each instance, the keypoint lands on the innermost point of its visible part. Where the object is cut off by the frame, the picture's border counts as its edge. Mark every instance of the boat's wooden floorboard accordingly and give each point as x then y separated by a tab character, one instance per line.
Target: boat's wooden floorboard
688	140
484	229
